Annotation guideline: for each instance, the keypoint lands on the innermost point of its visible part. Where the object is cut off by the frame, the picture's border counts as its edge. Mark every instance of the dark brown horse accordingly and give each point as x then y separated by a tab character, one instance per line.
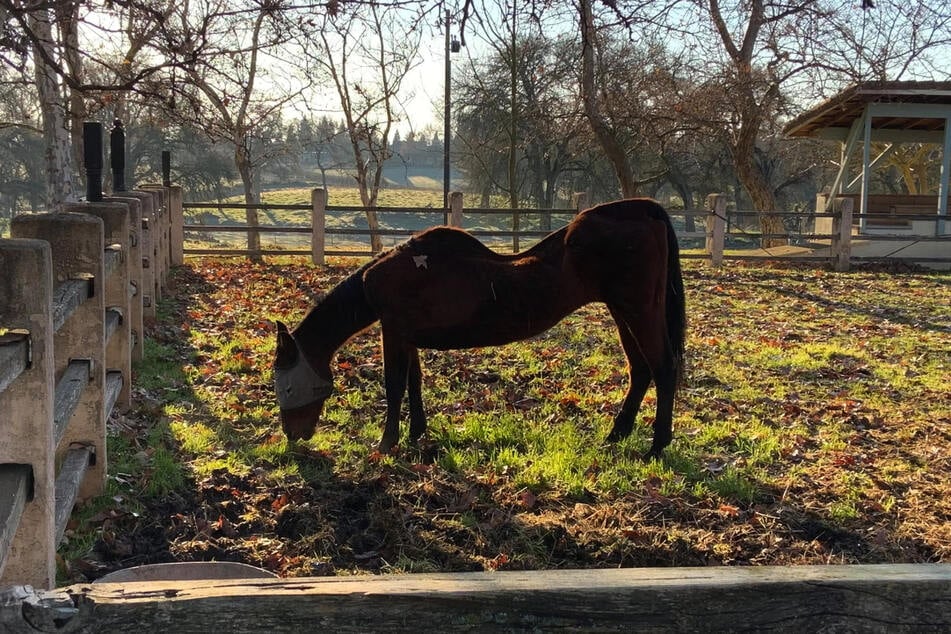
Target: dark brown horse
444	289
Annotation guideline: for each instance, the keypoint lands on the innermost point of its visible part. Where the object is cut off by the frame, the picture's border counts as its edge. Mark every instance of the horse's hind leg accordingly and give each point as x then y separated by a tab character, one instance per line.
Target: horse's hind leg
649	354
417	415
396	362
640	379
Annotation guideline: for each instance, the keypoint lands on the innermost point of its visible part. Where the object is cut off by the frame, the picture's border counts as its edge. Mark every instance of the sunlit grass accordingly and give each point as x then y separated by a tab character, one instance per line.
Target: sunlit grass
785	407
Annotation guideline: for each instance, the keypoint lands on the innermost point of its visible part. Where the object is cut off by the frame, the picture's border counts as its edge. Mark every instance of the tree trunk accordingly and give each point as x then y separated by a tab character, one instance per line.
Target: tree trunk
368	196
513	131
608	140
760	193
59	179
251	197
67	17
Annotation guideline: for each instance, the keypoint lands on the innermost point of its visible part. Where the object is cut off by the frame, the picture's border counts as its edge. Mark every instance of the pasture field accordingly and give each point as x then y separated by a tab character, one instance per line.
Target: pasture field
813	426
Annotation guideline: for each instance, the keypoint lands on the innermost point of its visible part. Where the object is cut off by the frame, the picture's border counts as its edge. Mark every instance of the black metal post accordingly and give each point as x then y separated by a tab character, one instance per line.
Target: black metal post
117	156
445	135
166	168
92	160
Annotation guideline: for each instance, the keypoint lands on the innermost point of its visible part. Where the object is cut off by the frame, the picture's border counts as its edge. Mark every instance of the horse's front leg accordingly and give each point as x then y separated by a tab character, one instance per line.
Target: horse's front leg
396	361
417	415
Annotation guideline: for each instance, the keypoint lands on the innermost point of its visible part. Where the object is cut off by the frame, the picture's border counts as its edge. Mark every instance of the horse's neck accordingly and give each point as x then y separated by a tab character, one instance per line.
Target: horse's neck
340	315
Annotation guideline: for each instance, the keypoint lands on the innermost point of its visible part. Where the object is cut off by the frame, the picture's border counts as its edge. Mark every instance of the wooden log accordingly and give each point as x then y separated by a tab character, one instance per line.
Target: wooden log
67	297
113	321
112	258
16	488
69	392
114	385
68	482
866	598
14	357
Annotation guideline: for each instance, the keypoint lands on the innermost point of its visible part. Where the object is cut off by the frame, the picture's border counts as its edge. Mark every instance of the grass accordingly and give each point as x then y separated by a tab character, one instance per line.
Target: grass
813	426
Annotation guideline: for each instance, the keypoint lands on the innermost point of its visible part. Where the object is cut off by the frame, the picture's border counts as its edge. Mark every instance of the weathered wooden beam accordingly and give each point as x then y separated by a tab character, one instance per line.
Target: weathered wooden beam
16	488
69	391
867	598
68	482
112	258
14	357
67	297
113	389
113	321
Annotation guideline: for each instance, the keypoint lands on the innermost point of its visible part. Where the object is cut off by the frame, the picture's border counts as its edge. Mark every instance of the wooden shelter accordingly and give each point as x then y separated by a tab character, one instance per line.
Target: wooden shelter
891	113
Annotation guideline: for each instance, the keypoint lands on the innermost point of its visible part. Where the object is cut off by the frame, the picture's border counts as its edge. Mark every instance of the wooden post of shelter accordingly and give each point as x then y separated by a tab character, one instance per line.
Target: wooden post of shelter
318	219
716	228
841	246
26	296
455	209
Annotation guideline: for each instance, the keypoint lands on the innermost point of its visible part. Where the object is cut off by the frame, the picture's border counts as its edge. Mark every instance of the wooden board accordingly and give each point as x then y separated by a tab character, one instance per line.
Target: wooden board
887	598
16	489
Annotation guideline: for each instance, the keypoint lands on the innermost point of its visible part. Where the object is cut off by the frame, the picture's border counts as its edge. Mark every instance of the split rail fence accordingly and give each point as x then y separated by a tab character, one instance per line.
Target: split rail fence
714	233
76	289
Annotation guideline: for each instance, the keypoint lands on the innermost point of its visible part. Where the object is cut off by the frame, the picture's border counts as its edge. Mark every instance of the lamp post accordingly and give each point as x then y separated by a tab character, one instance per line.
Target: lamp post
452	46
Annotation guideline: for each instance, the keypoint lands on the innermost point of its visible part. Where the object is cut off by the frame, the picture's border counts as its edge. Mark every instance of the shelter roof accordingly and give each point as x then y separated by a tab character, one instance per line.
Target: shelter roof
843	109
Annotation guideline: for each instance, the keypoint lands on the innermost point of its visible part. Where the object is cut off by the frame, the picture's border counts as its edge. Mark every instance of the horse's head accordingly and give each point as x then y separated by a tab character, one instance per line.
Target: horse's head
300	390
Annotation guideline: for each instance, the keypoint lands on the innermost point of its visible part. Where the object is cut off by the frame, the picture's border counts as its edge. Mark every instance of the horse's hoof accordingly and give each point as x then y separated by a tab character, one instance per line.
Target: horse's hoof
653	454
386	445
616	436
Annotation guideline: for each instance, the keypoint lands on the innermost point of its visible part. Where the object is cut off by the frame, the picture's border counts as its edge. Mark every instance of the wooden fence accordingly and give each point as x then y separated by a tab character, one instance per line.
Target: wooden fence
76	289
714	233
913	598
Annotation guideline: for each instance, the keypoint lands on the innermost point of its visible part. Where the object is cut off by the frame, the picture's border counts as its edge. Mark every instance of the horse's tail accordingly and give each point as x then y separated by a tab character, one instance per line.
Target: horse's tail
676	302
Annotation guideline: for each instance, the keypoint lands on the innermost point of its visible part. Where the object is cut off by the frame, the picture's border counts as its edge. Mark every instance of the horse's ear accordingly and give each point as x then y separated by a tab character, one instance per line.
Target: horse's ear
286	348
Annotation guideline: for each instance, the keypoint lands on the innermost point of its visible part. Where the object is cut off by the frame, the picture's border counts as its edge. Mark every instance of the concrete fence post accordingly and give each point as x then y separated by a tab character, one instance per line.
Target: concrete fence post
26	413
318	220
118	355
455	209
77	245
148	288
841	245
176	219
135	316
161	232
716	228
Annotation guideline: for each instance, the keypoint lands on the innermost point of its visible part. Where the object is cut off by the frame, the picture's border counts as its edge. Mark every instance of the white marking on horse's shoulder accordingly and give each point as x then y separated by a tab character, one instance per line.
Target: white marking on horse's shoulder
420	261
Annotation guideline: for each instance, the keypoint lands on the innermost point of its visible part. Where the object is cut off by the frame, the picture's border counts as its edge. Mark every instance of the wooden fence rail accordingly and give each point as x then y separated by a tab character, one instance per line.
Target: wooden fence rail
829	234
71	322
911	598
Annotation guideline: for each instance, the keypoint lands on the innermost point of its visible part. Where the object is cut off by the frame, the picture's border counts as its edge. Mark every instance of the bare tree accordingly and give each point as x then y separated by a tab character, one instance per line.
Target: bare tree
226	53
365	55
49	89
747	54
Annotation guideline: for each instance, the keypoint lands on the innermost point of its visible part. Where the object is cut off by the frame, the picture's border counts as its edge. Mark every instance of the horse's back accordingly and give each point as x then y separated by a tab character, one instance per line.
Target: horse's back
614	229
620	247
448	242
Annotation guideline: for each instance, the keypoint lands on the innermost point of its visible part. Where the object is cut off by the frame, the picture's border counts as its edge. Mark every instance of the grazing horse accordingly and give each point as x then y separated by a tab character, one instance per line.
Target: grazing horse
444	289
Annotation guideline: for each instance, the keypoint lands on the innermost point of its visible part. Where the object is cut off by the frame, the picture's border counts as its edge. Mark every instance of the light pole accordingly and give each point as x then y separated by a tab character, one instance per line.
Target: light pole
452	46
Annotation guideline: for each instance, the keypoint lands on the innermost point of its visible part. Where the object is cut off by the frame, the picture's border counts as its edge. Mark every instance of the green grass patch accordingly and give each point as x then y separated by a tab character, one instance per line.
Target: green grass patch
814	414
